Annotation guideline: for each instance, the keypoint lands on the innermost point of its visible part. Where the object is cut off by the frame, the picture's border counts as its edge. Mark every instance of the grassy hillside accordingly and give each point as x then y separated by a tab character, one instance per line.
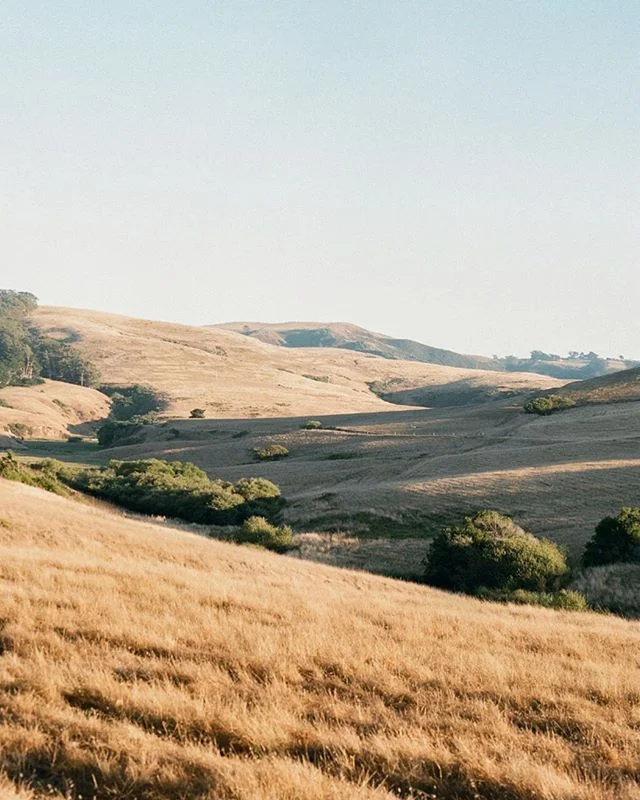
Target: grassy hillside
230	375
143	662
51	410
617	388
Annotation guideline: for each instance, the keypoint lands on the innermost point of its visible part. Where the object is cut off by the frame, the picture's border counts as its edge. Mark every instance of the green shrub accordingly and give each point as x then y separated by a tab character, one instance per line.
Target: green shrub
548	404
312	425
564	599
271	452
132	402
118	433
488	550
197	413
617	539
43	475
180	489
258	530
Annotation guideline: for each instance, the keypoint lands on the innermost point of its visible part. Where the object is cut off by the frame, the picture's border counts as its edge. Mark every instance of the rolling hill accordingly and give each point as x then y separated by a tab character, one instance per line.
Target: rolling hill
141	661
620	387
51	410
231	376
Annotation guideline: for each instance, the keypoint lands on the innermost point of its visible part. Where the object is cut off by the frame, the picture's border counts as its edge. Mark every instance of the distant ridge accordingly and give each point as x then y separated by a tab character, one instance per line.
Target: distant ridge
351	337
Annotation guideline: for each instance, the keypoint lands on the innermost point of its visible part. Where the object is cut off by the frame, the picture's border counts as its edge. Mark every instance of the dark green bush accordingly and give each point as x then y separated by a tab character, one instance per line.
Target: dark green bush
617	539
548	404
258	530
130	402
118	433
180	489
271	452
197	413
488	550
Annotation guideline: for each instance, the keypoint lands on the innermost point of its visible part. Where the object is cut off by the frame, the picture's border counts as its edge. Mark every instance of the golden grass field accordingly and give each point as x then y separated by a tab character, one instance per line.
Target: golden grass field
143	662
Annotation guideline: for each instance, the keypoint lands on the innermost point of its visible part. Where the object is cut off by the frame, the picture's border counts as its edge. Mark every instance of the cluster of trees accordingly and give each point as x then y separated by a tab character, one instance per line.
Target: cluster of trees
181	490
132	407
489	556
27	356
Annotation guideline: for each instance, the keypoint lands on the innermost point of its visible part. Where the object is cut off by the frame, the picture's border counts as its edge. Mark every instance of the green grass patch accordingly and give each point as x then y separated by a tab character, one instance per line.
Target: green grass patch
368	525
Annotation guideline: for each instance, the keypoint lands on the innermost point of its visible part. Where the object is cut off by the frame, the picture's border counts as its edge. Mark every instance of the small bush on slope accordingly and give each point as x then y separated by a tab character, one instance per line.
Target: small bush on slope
271	452
488	550
548	404
258	530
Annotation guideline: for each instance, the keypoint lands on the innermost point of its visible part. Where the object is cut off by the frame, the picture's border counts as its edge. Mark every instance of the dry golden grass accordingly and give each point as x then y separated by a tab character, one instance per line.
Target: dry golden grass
231	375
140	662
51	410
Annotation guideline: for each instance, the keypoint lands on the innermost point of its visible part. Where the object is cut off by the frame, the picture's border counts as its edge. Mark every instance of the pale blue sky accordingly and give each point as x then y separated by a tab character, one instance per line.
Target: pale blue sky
462	173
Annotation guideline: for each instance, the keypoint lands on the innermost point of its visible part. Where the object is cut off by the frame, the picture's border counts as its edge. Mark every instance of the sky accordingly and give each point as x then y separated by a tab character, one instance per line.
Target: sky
466	174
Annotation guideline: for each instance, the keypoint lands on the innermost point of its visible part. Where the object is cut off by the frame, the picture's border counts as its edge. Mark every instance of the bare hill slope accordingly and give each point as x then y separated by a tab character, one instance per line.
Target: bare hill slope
51	410
230	375
620	387
143	662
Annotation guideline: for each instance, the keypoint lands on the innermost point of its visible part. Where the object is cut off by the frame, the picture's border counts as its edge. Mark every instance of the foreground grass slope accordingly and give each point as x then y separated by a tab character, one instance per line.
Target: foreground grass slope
230	375
143	662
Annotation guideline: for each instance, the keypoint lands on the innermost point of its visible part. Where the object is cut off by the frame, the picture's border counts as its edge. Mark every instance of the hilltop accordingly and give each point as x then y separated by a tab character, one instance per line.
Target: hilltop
142	661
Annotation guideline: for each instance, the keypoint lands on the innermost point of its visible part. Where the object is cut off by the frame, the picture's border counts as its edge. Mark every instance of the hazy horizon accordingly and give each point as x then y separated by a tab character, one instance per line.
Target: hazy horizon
464	176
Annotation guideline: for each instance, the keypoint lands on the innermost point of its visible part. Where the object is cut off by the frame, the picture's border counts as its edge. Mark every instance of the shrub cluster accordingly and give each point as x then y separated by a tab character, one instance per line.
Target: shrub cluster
259	531
44	474
312	425
548	404
488	551
132	402
180	489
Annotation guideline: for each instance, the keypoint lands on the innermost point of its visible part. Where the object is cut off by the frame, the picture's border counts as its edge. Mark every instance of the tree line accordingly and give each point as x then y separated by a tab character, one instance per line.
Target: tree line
27	356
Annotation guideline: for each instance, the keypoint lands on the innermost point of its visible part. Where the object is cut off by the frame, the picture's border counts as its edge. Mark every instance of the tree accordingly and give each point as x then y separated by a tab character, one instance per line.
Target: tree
616	539
489	551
